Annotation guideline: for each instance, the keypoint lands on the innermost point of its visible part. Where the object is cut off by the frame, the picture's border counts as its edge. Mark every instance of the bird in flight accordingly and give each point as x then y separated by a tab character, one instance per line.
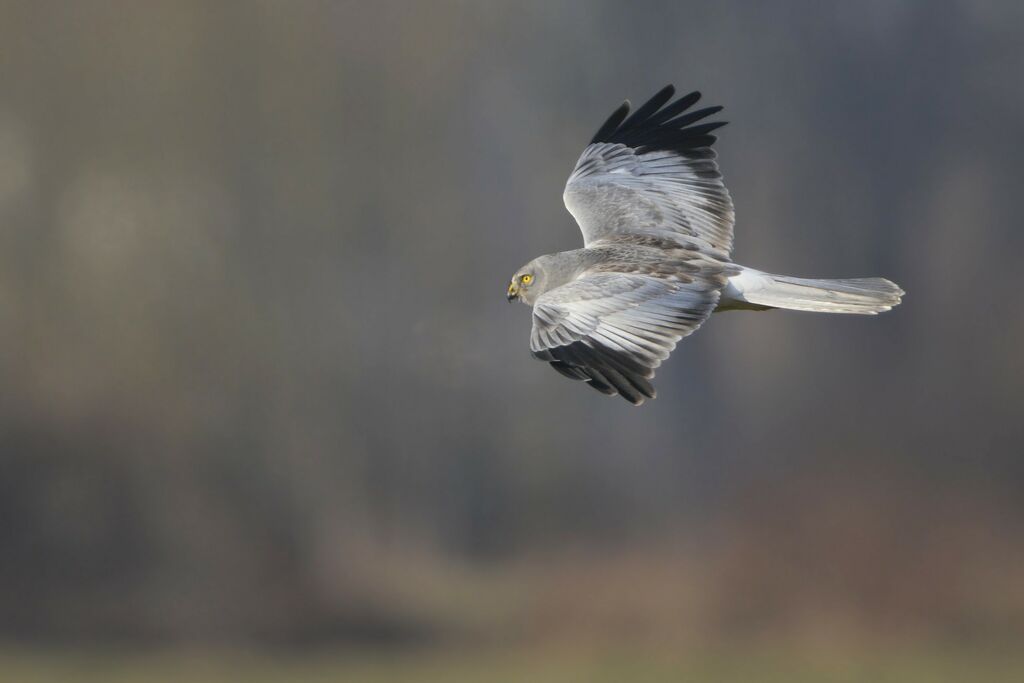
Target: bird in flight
657	225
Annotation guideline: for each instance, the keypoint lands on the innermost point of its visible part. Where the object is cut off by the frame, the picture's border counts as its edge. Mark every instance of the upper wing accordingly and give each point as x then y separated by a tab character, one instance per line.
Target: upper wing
613	329
653	173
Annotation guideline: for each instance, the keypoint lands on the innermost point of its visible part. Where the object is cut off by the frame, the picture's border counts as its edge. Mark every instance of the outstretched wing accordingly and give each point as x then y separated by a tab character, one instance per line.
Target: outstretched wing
613	329
653	173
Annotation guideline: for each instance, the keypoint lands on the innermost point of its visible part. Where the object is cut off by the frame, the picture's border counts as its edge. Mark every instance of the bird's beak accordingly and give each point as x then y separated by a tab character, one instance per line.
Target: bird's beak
513	292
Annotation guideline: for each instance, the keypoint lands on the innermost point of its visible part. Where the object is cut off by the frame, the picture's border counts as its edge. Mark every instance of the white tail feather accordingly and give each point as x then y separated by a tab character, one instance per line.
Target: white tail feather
754	290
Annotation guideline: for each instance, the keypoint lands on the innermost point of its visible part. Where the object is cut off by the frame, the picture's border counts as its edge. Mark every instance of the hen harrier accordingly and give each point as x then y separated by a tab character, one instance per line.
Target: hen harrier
657	232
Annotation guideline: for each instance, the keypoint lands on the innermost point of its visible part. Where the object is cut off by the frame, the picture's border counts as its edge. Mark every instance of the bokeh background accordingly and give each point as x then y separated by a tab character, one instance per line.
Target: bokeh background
265	414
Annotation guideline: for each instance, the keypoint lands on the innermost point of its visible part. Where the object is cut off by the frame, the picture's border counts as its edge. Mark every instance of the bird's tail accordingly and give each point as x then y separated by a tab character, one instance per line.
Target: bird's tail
752	289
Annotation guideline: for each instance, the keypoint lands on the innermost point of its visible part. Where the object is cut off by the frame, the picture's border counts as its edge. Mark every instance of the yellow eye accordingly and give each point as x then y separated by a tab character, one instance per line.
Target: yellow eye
527	279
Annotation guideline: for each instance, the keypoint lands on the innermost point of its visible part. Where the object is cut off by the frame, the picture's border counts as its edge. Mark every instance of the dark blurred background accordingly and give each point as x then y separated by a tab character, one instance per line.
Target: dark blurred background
260	389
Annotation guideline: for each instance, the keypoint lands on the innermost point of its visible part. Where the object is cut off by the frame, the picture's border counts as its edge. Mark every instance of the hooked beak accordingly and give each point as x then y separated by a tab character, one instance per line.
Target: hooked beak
513	292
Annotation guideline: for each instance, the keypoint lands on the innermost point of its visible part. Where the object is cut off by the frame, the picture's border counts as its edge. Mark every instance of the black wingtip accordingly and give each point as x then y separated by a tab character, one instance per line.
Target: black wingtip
661	124
612	123
648	108
606	370
664	95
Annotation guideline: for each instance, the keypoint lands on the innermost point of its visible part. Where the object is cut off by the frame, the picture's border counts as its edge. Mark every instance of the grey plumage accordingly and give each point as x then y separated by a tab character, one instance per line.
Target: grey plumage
754	290
657	224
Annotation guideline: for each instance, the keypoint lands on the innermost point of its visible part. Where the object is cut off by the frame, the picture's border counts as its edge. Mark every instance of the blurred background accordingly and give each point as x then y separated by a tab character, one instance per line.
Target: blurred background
264	411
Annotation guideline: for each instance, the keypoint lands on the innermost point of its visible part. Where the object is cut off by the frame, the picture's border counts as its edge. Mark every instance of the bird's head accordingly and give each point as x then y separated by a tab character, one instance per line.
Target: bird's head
528	283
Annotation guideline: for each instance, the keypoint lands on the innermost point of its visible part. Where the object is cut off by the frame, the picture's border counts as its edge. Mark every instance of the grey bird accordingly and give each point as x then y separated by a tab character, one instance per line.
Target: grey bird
657	225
